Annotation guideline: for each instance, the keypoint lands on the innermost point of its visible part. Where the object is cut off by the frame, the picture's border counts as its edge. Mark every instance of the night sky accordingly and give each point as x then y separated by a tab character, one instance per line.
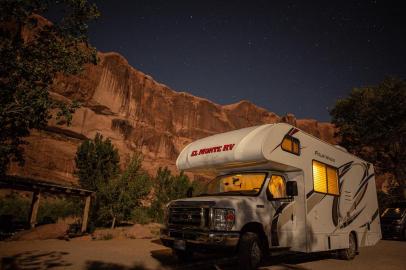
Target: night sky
285	56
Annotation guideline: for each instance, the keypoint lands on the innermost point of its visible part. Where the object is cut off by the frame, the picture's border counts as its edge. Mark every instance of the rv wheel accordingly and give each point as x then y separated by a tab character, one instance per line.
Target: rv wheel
350	252
249	251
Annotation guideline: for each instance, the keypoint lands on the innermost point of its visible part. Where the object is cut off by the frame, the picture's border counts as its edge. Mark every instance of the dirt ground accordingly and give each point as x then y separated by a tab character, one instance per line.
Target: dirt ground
140	254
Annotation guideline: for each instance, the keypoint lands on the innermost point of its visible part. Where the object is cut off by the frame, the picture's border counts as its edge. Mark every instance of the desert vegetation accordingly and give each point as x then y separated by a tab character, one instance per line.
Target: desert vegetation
33	52
52	208
128	194
371	123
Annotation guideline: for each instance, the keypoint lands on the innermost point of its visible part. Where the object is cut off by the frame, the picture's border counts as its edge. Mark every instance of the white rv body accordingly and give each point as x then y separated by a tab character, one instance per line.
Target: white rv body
308	222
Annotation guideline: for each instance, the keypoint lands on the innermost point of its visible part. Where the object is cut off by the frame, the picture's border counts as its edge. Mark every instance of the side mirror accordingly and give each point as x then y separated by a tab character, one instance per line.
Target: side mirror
189	192
291	188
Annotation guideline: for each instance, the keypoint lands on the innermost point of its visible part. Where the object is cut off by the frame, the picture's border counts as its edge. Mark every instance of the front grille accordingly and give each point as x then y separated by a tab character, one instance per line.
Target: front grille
186	216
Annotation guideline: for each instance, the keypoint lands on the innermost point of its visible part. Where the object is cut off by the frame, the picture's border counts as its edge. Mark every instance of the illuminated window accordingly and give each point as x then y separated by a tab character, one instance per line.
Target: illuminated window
291	144
277	187
325	178
250	183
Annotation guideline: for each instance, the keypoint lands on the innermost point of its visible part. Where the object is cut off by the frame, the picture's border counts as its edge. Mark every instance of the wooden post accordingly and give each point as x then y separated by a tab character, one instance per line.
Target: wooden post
36	195
86	214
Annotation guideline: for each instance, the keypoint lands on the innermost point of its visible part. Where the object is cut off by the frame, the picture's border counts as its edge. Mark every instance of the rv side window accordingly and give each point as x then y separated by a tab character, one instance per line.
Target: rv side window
325	178
277	187
291	145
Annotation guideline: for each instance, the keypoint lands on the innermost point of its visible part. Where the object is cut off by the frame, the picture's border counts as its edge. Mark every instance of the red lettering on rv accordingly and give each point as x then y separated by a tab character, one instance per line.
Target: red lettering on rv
228	147
214	149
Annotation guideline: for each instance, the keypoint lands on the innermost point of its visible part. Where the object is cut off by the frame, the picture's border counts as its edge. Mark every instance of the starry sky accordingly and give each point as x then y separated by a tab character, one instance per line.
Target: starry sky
286	56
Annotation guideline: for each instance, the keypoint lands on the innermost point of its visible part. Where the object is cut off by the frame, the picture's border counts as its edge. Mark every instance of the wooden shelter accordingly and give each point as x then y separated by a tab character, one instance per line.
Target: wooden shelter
39	186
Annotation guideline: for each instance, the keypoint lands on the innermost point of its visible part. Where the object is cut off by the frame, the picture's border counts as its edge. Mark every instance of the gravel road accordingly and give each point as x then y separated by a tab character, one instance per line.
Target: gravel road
140	254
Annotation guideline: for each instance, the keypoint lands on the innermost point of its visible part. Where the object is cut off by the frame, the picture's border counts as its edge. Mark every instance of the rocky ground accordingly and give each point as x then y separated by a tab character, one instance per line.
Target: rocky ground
139	254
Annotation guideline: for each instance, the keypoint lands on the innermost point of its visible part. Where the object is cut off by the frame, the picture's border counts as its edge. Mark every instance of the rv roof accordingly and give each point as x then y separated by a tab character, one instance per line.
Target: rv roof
243	148
232	148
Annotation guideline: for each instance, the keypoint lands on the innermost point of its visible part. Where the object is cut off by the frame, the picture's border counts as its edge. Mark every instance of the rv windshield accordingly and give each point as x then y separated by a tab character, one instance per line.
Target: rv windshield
236	184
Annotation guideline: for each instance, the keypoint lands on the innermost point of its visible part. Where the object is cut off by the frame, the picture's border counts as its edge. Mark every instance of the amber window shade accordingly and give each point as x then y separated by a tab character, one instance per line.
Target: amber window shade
332	181
277	187
319	177
245	181
296	147
325	178
287	144
291	145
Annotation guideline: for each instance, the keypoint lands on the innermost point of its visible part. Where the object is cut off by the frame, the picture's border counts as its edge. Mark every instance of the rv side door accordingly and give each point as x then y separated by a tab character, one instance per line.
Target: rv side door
284	217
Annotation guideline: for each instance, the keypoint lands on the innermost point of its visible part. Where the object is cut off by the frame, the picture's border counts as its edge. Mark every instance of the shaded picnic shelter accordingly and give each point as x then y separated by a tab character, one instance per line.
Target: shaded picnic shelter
41	186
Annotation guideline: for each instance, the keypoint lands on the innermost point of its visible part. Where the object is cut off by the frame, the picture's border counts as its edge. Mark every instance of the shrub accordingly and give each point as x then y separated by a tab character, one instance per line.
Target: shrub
15	205
97	161
119	196
53	208
167	187
141	215
50	208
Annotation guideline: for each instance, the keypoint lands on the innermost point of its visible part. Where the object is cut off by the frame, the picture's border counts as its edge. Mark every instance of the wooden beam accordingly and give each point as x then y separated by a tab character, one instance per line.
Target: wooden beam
86	214
36	195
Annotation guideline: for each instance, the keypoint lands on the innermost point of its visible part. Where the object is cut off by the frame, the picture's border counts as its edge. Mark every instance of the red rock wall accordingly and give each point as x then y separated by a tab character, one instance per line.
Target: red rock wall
138	113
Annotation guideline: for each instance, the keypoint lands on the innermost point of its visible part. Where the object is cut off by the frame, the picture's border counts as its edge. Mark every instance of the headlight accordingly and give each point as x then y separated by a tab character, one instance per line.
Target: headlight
223	219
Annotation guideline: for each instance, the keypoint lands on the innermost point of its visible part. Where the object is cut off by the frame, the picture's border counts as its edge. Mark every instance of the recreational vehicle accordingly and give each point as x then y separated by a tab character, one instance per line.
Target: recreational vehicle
277	187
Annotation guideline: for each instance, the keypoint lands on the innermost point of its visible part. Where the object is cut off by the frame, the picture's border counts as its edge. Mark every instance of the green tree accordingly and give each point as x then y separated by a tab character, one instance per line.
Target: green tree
97	162
32	52
120	196
371	122
167	187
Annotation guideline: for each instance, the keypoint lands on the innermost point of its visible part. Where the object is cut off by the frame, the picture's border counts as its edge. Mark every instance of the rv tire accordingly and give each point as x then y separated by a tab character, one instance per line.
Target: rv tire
350	252
249	252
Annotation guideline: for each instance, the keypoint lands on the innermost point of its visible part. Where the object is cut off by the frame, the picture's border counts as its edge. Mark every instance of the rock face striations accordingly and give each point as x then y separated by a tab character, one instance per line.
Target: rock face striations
137	114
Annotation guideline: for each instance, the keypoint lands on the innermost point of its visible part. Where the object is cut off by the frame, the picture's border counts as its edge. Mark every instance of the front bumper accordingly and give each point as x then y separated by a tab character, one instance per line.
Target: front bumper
200	240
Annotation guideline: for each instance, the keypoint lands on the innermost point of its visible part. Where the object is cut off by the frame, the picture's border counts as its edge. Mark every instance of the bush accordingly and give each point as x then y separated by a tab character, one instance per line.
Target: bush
167	187
50	209
97	161
15	205
119	196
53	208
141	215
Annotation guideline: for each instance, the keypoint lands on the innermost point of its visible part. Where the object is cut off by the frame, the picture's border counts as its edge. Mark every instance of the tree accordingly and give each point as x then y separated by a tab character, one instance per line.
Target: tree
33	51
97	162
167	187
119	196
371	122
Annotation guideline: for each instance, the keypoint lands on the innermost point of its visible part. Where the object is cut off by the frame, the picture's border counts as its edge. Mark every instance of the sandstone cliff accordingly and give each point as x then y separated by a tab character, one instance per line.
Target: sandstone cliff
138	114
